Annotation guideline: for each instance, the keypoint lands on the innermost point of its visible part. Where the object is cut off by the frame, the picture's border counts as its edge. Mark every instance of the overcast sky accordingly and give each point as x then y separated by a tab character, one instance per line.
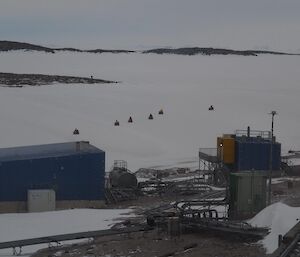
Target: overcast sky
241	24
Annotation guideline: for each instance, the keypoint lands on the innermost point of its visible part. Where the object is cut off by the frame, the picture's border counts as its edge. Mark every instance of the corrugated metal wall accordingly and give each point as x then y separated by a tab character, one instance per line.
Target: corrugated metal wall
255	154
73	177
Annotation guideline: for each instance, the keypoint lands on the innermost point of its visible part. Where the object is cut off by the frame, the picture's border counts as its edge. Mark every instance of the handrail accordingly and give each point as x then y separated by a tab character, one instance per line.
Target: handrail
71	236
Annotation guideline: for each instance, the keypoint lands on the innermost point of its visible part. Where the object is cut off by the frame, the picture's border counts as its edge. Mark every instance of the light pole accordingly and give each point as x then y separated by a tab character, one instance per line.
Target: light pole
273	113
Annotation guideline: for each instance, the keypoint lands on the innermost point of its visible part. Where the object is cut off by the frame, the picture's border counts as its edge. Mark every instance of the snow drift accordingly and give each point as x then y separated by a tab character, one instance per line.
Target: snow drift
280	218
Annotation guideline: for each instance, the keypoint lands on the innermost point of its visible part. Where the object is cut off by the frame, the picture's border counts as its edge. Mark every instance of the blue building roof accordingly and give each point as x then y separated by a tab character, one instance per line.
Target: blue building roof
46	151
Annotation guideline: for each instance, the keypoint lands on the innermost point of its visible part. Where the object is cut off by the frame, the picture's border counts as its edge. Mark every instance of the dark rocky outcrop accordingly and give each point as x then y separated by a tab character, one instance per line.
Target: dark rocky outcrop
20	80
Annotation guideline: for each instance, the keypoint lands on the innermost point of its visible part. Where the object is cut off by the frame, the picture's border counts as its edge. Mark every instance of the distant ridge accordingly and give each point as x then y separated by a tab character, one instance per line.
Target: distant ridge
211	51
13	46
6	46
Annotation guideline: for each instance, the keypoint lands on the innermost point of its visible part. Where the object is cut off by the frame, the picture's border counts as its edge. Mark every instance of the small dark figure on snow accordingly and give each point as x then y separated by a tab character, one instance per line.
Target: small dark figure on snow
76	131
130	119
211	108
150	117
117	123
161	112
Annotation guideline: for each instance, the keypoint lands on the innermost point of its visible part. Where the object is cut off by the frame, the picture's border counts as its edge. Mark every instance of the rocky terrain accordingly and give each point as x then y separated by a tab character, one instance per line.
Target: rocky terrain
20	80
12	46
159	243
156	243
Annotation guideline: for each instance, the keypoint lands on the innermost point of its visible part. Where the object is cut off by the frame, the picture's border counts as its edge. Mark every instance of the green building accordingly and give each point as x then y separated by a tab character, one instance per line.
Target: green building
248	192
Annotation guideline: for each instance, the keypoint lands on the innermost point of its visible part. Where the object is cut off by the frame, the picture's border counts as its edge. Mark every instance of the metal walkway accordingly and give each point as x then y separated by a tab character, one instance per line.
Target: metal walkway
209	154
293	248
67	237
289	245
226	226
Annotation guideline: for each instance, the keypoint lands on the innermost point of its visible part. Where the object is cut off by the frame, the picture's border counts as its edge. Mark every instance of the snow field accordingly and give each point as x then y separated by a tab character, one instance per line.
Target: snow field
242	89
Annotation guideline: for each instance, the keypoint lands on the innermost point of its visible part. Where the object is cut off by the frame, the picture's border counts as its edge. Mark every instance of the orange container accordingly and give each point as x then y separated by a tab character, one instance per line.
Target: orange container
226	149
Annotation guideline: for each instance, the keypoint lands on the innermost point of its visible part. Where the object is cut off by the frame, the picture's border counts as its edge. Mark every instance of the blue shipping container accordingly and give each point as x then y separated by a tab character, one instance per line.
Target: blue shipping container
254	154
74	170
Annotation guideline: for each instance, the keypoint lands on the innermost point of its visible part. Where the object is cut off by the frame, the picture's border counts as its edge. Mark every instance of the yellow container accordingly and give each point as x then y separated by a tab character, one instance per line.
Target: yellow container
226	149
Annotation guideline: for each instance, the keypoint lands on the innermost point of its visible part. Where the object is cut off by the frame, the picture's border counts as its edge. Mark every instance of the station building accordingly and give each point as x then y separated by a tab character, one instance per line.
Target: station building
52	176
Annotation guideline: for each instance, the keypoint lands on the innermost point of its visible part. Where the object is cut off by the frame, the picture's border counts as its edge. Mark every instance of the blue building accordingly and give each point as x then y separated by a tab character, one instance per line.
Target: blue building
253	153
74	170
249	150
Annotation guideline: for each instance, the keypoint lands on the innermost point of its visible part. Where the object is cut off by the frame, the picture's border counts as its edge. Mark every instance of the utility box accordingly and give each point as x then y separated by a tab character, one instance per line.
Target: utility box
247	194
40	200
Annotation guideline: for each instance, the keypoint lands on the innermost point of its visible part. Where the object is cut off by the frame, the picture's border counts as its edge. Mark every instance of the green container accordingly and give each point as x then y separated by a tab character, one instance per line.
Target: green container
247	194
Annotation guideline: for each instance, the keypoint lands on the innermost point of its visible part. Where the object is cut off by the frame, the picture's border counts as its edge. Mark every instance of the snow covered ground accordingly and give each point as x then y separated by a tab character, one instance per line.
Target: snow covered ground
29	225
280	218
242	89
